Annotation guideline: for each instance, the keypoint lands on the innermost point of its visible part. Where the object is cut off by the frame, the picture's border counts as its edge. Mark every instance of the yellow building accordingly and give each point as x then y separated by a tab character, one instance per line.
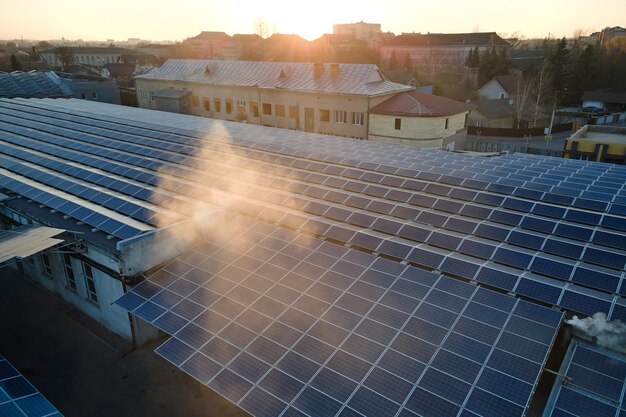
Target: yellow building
417	119
597	143
331	99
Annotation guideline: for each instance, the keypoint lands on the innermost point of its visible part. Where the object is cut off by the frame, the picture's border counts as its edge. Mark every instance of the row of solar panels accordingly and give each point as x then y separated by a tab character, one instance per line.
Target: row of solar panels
427	257
19	398
603	191
316	328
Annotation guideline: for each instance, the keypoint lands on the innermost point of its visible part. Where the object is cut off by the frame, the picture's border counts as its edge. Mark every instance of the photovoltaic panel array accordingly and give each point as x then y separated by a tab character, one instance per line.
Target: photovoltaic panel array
549	229
18	398
281	323
591	383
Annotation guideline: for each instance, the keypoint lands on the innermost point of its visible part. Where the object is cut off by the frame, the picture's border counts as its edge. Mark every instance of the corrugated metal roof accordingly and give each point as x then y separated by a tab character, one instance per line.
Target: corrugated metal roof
449	39
172	93
27	240
413	103
359	79
32	84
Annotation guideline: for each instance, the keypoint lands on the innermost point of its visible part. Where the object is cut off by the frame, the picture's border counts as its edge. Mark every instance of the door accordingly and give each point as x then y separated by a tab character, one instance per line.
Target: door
309	121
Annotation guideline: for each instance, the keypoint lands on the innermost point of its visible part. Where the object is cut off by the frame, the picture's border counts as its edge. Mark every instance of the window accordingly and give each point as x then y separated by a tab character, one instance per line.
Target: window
341	116
398	124
358	118
267	109
254	108
30	260
217	103
151	95
324	115
70	279
83	95
207	104
195	101
501	95
47	265
90	283
142	94
280	110
229	106
293	112
94	95
241	106
447	122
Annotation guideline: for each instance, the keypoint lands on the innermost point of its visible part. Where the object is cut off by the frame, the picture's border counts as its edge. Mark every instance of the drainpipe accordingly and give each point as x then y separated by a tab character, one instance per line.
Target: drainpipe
260	107
367	123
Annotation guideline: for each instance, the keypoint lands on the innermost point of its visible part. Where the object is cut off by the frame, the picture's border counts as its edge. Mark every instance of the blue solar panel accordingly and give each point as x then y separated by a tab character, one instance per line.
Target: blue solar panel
18	397
590	382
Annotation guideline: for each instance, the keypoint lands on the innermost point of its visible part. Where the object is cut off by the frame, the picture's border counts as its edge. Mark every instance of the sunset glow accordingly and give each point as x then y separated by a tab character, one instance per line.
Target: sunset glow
161	20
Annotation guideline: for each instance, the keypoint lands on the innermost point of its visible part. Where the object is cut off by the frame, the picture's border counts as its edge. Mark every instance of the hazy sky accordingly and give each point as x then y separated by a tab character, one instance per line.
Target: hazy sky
179	19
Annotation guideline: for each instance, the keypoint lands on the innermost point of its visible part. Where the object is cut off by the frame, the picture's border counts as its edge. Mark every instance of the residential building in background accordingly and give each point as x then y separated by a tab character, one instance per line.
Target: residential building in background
417	119
366	32
500	87
208	45
439	56
332	99
610	34
89	55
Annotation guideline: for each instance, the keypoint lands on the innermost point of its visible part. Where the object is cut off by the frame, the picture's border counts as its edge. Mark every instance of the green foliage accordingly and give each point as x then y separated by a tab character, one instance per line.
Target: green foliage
560	65
492	63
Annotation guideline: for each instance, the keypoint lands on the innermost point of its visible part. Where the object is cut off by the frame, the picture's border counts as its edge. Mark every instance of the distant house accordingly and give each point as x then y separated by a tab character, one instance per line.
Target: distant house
208	45
243	47
526	61
331	99
89	55
439	56
498	113
158	50
360	30
121	73
604	100
282	47
500	87
417	119
401	76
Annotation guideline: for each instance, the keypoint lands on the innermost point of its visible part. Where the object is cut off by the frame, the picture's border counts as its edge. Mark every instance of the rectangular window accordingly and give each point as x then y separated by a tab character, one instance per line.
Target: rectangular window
358	118
195	101
94	95
267	109
151	95
241	106
280	110
217	103
30	260
324	115
90	283
254	108
447	122
83	96
398	124
293	112
341	116
207	104
70	279
229	106
47	265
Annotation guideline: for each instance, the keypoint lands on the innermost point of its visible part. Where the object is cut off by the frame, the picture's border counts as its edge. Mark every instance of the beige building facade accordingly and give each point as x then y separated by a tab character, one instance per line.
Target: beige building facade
340	113
417	119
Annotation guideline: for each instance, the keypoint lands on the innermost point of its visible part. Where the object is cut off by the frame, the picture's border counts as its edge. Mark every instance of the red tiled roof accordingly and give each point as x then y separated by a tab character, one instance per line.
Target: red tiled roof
416	104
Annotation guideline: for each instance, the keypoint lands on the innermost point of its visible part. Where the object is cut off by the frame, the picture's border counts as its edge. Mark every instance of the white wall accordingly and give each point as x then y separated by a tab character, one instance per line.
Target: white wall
492	90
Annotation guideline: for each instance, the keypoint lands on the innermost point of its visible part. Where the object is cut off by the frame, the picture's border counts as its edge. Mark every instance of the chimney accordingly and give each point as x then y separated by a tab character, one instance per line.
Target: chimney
318	69
334	70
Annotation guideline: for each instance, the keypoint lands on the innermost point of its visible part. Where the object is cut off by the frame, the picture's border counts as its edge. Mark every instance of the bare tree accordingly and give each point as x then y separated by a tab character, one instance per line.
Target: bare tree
263	28
543	80
65	55
521	98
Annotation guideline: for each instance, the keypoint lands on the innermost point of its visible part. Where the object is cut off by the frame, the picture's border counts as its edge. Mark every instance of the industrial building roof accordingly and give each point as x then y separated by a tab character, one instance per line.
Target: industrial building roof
449	39
416	104
358	79
350	277
36	84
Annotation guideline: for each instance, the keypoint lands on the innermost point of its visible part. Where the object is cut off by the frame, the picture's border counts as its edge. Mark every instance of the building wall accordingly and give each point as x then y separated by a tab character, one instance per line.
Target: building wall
89	59
427	132
293	112
104	91
476	118
492	91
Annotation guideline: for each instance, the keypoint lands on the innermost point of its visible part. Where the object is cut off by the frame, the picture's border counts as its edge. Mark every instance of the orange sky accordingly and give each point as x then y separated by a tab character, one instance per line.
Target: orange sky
177	20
